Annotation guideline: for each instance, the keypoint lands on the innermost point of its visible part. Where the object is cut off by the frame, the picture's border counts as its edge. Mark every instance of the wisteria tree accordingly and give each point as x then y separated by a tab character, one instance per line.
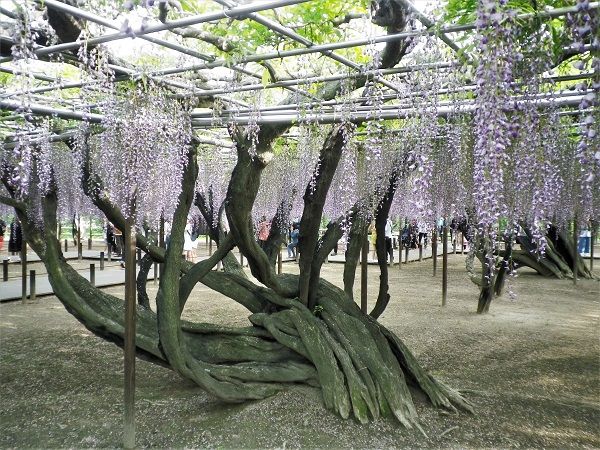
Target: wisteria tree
143	162
304	329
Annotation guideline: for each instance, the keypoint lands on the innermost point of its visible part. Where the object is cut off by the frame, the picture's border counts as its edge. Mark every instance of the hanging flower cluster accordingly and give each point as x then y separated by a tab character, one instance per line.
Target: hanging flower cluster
141	155
497	54
584	26
214	171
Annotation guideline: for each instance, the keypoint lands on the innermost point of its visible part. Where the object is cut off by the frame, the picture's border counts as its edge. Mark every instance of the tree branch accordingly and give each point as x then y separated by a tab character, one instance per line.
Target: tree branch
314	202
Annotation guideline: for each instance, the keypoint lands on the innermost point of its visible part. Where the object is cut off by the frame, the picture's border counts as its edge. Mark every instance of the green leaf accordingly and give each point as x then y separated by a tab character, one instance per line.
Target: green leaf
266	77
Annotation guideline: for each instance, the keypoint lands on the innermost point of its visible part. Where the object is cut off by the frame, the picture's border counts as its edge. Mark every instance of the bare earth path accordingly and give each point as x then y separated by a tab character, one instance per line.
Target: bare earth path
531	367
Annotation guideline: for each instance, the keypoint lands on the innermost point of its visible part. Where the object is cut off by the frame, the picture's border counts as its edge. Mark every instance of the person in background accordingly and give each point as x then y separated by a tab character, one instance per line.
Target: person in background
292	247
413	232
264	228
2	231
188	243
585	237
389	247
109	238
119	241
16	237
423	232
373	240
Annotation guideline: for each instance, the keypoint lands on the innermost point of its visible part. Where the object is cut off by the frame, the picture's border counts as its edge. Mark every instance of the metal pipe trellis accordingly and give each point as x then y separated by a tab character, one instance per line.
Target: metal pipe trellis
164	43
194	20
360	42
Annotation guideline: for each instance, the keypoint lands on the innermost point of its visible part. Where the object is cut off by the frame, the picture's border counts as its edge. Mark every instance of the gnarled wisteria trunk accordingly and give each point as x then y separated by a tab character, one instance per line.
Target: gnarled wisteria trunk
320	338
303	329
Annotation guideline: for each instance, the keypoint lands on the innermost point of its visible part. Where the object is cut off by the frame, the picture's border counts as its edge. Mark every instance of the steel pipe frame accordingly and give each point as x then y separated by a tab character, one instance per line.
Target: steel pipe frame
198	19
429	24
69	114
360	42
74	11
48	111
325	78
194	20
92	17
393	112
292	119
221	143
289	33
386	97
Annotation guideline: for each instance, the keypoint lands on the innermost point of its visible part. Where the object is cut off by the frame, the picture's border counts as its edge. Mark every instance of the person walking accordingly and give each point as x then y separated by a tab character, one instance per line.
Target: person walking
373	239
389	247
15	241
264	228
2	231
188	242
292	247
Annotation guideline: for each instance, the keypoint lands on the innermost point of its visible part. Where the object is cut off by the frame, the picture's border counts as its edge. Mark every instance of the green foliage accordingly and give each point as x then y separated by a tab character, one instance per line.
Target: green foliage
465	11
551	34
5	78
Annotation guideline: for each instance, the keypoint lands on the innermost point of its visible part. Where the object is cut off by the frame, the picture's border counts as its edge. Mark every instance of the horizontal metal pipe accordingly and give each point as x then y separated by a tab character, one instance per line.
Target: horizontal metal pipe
385	97
186	21
164	43
291	119
361	42
42	110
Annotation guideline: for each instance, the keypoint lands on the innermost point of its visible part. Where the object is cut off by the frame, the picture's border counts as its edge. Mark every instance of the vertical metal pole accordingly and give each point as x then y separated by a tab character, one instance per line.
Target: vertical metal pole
363	275
101	260
90	238
242	260
454	241
445	263
575	249
434	250
399	253
462	243
93	274
32	284
129	337
279	262
66	246
161	242
5	270
79	245
593	238
23	269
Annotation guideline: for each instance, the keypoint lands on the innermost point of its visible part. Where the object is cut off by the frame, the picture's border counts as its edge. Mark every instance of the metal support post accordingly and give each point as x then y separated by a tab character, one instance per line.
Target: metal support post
32	284
129	335
363	275
93	274
444	263
24	270
434	251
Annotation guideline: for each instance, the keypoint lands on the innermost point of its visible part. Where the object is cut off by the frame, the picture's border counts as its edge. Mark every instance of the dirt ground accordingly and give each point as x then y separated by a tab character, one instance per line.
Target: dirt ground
531	367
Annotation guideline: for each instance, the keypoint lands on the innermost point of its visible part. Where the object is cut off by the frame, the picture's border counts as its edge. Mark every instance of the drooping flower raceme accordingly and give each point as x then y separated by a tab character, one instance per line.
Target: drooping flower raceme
492	123
141	154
